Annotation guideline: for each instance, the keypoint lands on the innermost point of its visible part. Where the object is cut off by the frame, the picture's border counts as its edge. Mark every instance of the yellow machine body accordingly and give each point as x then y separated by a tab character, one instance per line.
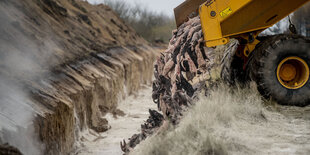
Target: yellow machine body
224	19
244	20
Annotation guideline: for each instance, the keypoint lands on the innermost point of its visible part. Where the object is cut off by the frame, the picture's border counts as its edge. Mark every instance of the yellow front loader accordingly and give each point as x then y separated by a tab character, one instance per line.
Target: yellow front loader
279	64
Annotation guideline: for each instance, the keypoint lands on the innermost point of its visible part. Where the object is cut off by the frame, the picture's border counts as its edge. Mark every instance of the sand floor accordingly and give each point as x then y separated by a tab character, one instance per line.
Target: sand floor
108	143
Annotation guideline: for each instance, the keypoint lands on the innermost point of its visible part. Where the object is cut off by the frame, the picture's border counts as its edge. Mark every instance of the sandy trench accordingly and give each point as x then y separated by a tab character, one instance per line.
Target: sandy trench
108	143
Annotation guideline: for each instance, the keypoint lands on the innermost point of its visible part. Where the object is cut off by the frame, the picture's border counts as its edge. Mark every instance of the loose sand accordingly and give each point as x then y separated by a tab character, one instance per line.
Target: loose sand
108	143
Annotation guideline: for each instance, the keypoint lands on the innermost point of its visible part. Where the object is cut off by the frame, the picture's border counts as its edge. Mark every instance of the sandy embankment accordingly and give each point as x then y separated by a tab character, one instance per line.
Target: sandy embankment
64	63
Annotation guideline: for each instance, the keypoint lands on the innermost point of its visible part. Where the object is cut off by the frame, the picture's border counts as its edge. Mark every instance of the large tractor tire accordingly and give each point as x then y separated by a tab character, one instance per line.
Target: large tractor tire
280	67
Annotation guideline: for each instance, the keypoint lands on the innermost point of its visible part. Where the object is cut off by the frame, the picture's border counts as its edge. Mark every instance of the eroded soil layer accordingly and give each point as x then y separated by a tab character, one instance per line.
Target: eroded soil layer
69	63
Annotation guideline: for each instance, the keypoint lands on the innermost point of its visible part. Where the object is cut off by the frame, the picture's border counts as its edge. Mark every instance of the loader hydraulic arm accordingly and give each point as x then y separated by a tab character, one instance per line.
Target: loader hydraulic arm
225	19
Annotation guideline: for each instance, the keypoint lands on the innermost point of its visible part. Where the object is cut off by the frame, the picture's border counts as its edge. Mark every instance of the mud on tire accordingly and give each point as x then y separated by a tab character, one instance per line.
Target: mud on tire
263	63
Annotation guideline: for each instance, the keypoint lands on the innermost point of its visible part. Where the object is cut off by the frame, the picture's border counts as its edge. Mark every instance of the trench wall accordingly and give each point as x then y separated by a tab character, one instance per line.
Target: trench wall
64	65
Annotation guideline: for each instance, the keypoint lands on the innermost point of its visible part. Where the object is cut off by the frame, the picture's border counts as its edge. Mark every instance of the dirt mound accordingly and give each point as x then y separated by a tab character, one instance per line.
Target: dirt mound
64	65
234	120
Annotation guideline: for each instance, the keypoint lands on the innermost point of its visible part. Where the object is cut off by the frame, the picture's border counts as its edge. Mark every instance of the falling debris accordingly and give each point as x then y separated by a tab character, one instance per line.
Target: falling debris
153	122
175	70
181	72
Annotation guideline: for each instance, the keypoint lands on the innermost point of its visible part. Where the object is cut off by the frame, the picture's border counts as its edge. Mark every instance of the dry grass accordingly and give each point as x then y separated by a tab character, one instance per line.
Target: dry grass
232	121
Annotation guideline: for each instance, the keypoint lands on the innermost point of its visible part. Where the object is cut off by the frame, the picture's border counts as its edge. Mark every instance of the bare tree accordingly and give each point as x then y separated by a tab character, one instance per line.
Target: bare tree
151	25
301	20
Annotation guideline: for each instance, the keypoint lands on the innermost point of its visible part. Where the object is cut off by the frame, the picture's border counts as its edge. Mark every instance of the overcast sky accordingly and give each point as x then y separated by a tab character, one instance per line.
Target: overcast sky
165	6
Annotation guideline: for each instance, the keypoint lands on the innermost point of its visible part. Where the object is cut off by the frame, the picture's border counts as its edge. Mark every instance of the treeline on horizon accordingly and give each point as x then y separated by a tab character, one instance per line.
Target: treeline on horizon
151	25
301	19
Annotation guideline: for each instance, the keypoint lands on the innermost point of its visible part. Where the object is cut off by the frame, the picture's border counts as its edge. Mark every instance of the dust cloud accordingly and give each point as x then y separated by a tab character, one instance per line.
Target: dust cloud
19	62
234	121
16	115
278	28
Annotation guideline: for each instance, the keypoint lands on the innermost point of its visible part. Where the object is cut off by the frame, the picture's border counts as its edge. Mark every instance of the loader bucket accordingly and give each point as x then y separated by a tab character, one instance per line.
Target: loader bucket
187	9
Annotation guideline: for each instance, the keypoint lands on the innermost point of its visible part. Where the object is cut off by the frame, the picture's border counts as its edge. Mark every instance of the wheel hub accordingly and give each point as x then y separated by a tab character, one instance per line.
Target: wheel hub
293	72
288	72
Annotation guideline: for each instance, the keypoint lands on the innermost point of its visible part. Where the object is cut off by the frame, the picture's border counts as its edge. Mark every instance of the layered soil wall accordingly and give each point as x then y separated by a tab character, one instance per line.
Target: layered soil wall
72	62
80	94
